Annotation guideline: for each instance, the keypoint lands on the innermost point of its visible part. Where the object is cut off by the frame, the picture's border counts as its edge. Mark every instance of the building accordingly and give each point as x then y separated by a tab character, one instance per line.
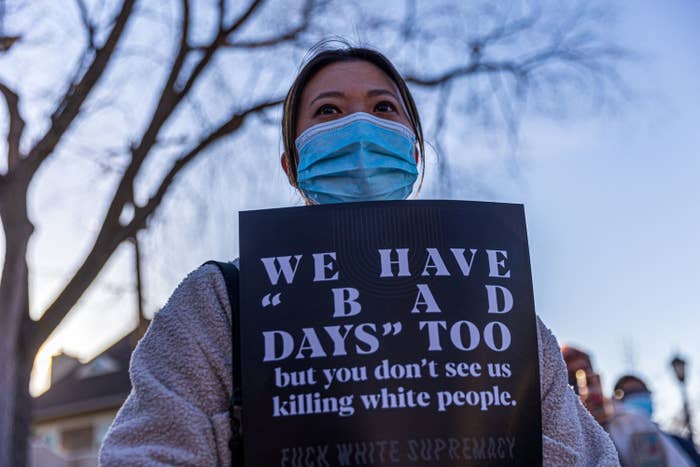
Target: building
71	418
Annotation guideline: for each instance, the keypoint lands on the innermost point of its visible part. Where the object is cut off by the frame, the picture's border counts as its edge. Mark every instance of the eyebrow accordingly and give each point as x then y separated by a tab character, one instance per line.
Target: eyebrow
382	92
370	93
327	94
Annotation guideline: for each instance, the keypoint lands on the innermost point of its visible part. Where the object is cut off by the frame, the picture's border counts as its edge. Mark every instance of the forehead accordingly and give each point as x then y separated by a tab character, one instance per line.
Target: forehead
632	385
354	77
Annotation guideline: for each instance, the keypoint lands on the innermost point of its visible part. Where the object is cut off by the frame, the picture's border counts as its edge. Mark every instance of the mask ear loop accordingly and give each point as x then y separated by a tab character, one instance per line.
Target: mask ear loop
415	192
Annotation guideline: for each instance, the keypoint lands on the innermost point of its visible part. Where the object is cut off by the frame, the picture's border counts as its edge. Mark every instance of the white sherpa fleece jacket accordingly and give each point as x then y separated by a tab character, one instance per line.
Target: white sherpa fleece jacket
177	412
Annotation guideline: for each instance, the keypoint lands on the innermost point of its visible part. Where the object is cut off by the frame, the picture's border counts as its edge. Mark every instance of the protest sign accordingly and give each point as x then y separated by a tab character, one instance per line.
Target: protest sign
389	333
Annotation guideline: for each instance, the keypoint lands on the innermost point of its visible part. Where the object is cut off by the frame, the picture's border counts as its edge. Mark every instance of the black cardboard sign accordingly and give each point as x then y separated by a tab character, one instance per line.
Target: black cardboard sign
389	333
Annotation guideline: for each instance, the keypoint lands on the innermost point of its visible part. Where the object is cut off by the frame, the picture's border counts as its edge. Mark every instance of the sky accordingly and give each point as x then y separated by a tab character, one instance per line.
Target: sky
612	208
610	199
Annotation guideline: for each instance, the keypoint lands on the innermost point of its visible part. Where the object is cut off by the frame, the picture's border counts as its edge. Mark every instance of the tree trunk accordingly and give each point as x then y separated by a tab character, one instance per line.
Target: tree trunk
16	350
16	404
8	377
23	400
15	423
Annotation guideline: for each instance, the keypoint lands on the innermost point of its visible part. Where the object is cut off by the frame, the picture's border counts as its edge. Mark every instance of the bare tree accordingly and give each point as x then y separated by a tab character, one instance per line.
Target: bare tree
519	50
20	336
508	59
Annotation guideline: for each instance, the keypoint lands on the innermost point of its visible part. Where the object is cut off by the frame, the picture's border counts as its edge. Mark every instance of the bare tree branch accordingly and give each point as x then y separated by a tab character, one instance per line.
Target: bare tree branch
510	116
16	127
69	106
591	58
168	98
230	126
287	36
439	127
210	49
172	94
167	102
101	251
241	19
408	24
459	72
504	31
114	234
221	9
87	23
6	42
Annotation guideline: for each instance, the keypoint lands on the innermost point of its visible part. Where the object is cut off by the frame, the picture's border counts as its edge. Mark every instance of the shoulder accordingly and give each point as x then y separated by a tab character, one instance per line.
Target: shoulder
201	291
194	324
545	337
552	365
554	386
181	381
199	305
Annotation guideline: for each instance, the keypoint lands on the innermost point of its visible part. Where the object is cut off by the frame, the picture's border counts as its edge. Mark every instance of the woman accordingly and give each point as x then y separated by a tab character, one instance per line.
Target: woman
351	132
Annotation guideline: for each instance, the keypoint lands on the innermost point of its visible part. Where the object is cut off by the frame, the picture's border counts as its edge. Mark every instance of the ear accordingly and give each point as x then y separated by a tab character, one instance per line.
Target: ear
415	153
285	166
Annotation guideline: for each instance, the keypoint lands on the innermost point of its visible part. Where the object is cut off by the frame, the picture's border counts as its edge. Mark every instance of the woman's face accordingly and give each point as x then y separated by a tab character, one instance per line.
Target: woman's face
343	88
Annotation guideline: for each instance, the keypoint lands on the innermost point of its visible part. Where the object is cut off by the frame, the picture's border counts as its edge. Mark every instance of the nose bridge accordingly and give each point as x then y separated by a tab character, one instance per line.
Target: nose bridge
357	106
358	102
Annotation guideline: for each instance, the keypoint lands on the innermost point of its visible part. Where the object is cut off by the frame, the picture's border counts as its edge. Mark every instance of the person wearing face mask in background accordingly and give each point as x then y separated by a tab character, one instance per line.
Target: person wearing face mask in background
351	132
627	417
639	441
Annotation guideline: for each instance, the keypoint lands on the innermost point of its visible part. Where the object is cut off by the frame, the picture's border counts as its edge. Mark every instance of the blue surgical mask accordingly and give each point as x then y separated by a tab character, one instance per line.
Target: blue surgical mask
356	158
641	402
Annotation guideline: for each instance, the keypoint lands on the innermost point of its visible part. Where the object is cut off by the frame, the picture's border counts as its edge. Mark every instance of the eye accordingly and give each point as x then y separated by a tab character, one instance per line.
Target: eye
385	106
327	109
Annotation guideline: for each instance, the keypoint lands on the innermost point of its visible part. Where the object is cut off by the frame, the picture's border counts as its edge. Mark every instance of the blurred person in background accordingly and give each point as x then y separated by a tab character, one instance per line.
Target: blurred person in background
627	418
586	383
638	439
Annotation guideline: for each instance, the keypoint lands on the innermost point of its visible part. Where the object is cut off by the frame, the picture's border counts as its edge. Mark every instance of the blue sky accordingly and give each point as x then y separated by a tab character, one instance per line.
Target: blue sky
611	202
612	207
